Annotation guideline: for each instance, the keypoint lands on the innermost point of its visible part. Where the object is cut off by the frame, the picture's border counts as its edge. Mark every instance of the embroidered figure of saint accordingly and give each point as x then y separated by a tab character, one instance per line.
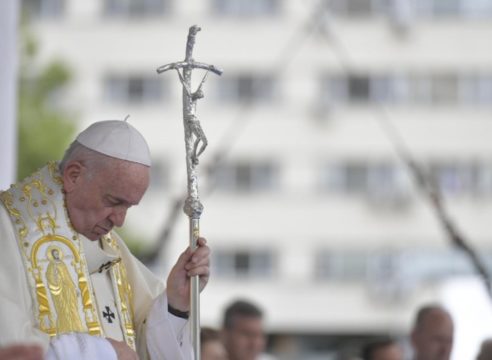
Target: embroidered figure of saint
63	293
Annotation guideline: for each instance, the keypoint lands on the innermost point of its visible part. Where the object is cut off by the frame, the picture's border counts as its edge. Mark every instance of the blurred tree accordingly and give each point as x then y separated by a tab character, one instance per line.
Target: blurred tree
45	129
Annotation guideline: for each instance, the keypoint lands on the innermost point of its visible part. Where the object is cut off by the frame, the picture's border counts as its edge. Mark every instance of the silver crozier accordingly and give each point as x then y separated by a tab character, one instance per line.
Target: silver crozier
195	142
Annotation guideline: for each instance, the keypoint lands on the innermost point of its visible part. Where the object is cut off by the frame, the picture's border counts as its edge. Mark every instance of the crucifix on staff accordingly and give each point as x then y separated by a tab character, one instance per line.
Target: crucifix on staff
195	143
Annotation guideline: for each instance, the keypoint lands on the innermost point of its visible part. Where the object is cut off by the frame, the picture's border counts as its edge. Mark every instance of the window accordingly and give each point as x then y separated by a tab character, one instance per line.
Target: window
454	8
436	89
468	178
484	89
359	89
43	9
429	265
246	7
383	89
244	177
477	89
445	89
356	8
360	178
242	263
477	8
341	265
246	88
134	89
446	7
365	89
404	266
135	8
405	8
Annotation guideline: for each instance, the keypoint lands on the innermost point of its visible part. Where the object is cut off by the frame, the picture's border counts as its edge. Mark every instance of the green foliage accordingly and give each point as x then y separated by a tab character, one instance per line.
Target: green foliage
44	129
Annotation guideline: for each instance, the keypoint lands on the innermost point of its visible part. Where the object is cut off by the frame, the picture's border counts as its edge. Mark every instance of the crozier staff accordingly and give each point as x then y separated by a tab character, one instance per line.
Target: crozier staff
195	144
67	280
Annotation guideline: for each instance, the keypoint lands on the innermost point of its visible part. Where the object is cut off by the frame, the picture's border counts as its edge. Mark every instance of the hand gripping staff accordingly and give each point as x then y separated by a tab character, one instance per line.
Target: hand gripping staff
195	142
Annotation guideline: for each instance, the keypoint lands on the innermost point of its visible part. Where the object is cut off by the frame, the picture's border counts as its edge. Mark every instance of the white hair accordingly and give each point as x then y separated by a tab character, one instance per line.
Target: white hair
90	158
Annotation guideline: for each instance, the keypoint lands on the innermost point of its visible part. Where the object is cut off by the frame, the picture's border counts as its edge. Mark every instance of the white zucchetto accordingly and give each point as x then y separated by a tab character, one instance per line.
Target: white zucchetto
118	139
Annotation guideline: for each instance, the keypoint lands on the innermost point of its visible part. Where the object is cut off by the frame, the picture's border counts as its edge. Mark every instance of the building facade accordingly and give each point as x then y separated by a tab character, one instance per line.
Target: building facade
310	209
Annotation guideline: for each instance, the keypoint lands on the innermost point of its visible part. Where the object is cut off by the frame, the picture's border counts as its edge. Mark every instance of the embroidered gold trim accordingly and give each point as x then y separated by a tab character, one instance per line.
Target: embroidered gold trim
124	290
60	287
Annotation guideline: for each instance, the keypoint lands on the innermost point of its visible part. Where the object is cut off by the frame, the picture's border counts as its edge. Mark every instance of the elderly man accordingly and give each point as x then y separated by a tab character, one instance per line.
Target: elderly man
67	280
432	334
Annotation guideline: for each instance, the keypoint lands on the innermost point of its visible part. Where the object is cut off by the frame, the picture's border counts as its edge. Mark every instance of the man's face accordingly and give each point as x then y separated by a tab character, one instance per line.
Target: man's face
98	200
434	339
245	340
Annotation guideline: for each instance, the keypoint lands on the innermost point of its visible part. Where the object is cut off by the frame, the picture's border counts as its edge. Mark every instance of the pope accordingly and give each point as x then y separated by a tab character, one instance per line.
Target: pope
68	283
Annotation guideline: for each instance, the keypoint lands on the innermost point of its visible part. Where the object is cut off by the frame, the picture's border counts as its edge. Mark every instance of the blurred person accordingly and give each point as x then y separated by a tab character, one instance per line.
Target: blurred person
485	350
243	332
383	349
67	280
21	352
212	347
432	334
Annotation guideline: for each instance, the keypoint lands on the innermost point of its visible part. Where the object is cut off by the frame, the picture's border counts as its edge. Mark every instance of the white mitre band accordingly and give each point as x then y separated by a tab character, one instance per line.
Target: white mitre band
118	139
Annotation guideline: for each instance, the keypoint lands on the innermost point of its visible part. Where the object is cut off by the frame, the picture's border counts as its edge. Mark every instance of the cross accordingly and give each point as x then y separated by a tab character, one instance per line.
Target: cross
108	314
195	143
192	125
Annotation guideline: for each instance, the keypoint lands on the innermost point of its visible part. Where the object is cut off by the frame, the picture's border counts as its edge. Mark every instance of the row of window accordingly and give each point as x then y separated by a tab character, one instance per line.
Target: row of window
51	9
376	181
422	89
406	266
342	8
411	8
385	180
411	89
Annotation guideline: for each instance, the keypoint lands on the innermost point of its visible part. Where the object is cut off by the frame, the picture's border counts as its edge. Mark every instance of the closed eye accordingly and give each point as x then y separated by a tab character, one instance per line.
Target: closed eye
112	201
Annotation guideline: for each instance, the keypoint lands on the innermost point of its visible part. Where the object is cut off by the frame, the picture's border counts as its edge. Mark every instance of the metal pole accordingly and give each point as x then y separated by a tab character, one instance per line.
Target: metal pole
195	143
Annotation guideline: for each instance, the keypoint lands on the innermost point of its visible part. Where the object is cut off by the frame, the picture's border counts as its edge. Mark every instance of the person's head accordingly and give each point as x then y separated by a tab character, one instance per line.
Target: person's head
432	334
383	349
485	350
105	171
211	346
243	333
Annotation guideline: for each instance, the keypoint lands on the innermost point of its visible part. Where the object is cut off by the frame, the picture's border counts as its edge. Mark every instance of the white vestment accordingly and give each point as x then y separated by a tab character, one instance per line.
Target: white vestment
158	334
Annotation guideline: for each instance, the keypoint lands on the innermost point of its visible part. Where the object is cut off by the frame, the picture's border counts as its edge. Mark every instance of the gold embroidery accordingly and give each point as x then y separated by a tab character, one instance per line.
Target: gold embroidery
55	175
53	279
45	317
90	317
8	200
124	291
63	293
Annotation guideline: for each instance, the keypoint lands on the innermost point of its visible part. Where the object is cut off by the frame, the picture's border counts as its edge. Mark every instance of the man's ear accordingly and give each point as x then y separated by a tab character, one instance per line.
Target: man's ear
72	175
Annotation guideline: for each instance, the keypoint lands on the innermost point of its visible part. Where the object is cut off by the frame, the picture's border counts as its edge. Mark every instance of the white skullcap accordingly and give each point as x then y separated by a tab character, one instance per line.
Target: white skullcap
118	139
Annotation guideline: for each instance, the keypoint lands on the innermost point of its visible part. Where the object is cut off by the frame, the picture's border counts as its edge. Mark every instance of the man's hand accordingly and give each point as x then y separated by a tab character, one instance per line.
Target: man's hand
21	352
189	263
123	351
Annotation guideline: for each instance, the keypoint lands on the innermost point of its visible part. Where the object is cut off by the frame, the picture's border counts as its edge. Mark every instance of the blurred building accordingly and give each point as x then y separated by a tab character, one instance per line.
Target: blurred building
308	208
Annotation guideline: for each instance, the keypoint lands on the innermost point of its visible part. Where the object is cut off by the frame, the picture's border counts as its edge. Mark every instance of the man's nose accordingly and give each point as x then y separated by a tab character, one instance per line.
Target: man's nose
117	216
